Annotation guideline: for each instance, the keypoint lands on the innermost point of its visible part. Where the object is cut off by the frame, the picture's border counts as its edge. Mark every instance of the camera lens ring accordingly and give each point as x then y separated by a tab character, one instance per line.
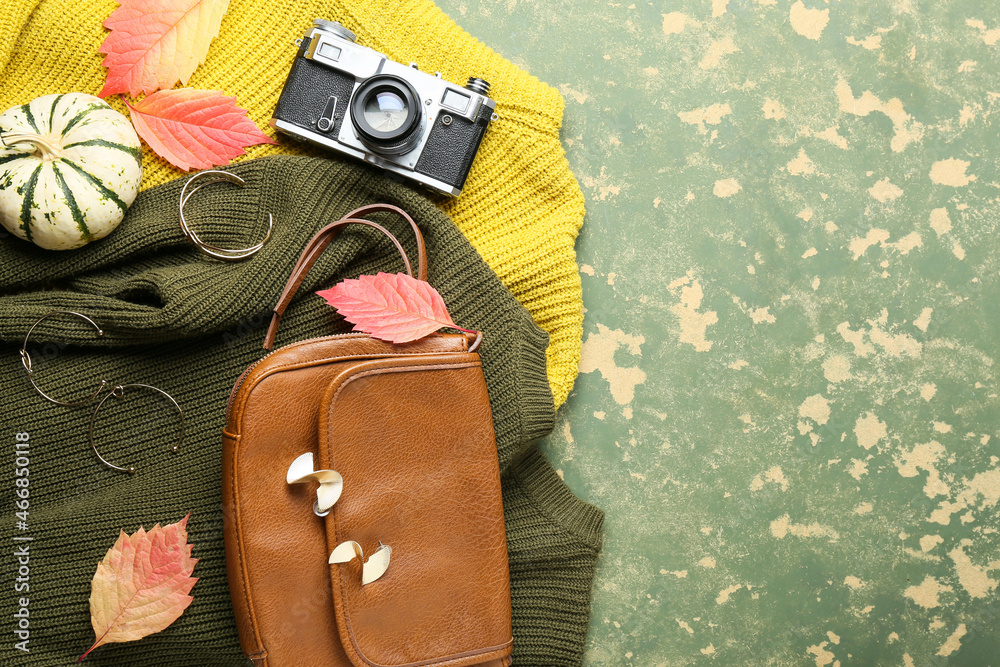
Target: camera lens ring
379	92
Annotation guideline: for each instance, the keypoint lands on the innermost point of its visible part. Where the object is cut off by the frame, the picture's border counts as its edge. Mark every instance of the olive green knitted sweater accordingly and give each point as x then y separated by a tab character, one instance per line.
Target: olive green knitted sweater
178	320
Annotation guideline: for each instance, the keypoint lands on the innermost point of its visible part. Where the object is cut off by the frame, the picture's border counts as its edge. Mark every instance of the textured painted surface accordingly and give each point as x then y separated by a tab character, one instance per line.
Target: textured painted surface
788	399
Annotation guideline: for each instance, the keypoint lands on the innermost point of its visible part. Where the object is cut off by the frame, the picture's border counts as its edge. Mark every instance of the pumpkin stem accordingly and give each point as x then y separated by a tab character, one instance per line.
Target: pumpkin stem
47	149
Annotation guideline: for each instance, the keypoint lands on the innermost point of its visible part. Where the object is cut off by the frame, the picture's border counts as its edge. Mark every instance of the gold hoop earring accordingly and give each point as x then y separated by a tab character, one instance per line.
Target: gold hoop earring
26	359
118	392
226	254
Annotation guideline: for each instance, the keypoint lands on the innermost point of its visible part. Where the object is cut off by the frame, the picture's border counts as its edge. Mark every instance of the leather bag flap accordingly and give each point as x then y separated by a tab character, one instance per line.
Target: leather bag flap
413	439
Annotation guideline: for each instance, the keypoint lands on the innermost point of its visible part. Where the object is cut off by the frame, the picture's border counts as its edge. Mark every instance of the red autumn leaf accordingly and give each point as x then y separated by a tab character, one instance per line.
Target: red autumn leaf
394	308
195	128
153	44
142	584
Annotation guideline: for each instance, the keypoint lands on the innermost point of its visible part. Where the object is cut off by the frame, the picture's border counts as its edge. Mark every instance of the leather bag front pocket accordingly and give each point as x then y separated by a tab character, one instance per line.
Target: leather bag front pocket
414	442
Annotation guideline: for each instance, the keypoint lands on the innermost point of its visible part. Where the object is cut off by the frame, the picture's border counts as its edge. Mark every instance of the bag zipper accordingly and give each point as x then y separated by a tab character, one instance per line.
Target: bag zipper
243	375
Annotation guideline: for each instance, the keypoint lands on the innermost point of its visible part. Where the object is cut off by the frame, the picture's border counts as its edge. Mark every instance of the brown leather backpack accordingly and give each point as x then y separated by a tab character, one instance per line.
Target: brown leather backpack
409	429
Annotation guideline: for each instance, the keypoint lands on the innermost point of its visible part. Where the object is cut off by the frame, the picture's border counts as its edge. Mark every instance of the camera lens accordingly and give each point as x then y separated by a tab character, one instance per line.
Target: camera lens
386	113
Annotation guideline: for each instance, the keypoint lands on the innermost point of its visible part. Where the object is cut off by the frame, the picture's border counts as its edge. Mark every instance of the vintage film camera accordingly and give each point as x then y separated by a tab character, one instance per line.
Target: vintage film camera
356	101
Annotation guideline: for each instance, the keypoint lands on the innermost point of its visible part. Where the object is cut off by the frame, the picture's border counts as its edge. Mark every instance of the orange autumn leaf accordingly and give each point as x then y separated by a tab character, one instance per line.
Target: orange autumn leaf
394	308
153	44
194	128
142	584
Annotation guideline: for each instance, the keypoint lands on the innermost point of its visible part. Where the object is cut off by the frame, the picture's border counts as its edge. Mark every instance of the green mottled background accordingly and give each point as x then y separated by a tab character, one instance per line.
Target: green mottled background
788	396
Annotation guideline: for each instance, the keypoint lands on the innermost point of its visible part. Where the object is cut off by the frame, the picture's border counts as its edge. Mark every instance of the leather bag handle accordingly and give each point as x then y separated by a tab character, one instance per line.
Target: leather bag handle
324	237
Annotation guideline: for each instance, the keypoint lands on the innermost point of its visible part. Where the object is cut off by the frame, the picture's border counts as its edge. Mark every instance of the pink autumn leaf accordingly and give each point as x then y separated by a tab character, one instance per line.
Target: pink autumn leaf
153	44
390	307
195	128
142	585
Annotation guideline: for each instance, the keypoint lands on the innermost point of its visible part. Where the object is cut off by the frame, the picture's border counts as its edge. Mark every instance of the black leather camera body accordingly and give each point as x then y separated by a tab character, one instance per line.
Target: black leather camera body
355	101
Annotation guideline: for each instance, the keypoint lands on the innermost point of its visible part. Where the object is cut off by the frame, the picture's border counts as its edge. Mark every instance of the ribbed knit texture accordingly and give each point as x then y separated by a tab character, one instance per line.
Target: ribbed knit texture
521	207
187	324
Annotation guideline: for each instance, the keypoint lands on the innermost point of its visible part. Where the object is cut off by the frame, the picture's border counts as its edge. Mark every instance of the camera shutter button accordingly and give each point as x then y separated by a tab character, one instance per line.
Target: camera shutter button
477	85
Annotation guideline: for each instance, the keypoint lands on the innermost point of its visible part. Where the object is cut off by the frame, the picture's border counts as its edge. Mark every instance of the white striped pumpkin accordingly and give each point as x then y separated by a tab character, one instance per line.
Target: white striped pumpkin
70	166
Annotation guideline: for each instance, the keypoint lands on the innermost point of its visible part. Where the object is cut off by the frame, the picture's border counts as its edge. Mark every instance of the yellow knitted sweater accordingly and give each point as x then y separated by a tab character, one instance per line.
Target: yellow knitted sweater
521	207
